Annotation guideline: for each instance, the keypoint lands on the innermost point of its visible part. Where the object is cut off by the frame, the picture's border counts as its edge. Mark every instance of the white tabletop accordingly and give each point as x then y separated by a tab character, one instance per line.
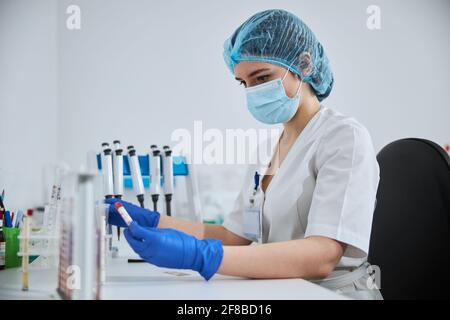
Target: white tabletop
144	281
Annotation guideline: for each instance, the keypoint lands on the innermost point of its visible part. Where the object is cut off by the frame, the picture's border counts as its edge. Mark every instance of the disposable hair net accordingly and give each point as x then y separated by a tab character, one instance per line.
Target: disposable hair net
280	37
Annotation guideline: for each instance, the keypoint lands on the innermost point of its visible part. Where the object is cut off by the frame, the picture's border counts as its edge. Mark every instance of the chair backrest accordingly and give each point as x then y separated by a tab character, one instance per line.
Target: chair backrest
410	239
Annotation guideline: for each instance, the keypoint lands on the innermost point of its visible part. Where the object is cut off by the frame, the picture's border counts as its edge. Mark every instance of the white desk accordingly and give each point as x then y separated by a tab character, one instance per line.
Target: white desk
144	281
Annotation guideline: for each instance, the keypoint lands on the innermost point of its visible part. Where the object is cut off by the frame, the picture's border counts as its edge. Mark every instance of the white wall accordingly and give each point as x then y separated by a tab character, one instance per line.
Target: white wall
139	69
157	66
28	98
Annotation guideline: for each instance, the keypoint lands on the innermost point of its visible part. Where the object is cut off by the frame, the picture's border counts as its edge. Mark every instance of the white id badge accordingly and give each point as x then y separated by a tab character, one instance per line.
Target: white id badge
252	223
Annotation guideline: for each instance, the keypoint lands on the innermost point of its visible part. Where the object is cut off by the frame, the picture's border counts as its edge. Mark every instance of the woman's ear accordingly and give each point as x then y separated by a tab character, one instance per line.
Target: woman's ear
305	65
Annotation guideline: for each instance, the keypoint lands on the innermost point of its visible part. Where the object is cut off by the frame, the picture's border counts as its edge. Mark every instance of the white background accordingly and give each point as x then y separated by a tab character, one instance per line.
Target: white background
137	70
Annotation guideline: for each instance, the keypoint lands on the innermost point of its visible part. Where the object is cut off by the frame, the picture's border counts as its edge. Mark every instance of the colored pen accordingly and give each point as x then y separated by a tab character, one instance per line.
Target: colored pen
2	206
18	218
256	180
7	217
13	218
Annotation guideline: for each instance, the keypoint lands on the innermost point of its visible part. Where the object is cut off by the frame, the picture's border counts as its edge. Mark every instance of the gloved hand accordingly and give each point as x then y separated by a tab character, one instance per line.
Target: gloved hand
171	248
143	216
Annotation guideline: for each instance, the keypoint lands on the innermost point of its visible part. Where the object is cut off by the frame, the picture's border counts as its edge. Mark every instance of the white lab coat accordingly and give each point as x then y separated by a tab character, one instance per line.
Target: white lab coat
326	186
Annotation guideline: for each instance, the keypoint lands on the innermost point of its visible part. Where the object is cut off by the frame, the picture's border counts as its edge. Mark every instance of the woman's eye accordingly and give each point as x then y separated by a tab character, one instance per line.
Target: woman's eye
262	78
242	83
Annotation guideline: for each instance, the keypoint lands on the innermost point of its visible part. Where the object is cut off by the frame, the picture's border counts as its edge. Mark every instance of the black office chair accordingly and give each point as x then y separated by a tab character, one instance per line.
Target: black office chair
410	239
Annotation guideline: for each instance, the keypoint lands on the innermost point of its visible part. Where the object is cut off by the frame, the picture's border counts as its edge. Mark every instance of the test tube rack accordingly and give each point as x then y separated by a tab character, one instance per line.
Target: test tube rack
43	241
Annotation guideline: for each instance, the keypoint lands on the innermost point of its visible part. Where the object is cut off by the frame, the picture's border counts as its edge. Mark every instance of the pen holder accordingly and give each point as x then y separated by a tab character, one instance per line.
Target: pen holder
12	260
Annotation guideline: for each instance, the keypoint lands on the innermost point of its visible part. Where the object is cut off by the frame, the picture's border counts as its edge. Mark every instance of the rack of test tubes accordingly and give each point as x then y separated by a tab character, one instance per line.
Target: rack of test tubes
42	240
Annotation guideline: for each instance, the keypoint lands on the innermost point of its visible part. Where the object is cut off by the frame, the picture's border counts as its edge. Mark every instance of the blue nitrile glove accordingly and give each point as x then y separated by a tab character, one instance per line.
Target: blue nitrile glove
143	216
171	248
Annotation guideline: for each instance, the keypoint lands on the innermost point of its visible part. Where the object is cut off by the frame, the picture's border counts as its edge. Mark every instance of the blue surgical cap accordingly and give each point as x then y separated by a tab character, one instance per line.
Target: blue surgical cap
281	38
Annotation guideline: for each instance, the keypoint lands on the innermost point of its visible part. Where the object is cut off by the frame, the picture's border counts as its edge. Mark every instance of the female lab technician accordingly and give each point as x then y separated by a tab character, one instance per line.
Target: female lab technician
312	213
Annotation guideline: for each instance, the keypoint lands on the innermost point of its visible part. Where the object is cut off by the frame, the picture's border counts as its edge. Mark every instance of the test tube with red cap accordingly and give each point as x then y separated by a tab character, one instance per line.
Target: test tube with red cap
123	213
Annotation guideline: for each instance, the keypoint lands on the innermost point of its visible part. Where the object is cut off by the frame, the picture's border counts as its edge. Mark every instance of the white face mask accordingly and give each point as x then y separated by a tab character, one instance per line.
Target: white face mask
269	103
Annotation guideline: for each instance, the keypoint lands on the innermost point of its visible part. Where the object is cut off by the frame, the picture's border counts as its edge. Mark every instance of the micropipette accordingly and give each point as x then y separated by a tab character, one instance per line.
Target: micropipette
118	174
108	187
155	166
168	178
107	173
138	185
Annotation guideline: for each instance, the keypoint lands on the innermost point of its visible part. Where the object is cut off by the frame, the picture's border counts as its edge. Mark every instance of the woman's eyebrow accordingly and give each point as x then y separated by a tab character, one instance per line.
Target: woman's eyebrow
254	73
